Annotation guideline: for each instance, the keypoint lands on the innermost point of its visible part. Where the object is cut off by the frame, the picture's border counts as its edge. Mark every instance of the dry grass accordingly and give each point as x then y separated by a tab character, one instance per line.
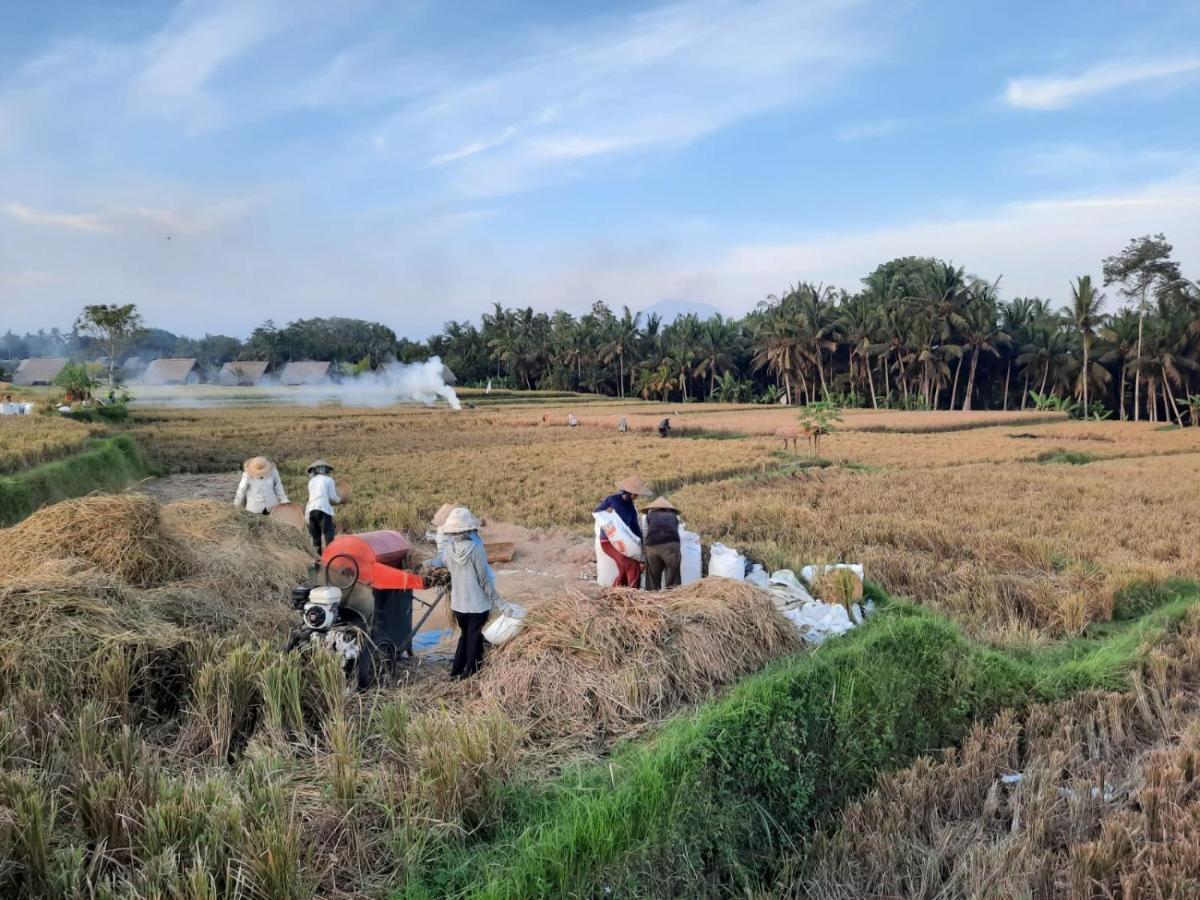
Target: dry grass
29	440
1003	548
1107	805
588	669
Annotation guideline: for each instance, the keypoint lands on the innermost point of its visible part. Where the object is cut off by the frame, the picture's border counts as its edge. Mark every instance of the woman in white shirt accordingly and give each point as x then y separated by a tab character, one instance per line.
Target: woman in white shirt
260	489
322	495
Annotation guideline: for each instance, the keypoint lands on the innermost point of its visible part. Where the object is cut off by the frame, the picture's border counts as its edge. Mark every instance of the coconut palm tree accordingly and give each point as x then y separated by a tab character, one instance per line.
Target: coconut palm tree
857	323
622	339
1085	313
981	331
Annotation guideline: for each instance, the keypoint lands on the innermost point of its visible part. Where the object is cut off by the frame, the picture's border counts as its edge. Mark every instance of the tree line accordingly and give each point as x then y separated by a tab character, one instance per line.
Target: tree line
919	333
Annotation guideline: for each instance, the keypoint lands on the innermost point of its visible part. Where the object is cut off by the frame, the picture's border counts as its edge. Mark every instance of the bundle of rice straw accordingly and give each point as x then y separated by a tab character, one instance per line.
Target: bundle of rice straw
587	669
119	534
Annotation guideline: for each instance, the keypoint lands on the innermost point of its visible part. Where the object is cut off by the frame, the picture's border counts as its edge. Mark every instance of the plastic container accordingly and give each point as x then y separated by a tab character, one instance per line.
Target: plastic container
505	626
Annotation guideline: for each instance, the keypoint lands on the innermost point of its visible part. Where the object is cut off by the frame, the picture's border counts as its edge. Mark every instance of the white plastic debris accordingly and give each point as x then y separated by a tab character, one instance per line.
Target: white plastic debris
809	573
758	576
813	618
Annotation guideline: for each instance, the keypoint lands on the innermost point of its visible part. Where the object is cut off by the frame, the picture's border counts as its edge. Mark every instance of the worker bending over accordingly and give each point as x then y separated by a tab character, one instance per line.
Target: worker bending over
260	489
322	495
629	570
472	594
661	545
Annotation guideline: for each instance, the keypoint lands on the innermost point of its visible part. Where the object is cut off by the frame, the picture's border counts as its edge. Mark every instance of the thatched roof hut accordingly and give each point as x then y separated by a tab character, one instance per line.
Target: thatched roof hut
38	371
242	373
306	372
171	371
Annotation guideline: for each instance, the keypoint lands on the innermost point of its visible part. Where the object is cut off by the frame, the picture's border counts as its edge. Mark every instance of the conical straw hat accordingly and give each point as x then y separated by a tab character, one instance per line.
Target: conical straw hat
439	517
634	485
663	503
460	520
258	467
320	464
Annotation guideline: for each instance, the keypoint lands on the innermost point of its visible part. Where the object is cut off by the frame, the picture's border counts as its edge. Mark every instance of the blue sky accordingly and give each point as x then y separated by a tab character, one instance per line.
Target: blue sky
220	163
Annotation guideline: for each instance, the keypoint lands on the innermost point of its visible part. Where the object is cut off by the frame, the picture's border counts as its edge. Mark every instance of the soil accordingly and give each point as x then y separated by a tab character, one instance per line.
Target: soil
543	564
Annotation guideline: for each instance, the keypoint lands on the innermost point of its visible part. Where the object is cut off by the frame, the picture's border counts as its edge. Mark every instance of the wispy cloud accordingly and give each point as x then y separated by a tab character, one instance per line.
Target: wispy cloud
659	79
73	221
1059	92
864	131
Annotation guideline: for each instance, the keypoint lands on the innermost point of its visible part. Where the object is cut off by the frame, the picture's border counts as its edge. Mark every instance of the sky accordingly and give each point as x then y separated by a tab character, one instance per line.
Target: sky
227	162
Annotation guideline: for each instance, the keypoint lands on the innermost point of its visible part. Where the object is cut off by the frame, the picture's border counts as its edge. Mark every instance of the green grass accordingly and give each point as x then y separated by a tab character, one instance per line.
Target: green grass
1065	457
106	465
709	805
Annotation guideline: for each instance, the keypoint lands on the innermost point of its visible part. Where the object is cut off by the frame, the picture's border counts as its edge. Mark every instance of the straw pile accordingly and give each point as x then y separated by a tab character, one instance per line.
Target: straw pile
119	534
587	669
105	578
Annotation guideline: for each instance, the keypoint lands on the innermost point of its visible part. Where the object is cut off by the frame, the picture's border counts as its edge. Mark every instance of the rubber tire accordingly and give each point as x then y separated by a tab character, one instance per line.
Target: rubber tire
365	666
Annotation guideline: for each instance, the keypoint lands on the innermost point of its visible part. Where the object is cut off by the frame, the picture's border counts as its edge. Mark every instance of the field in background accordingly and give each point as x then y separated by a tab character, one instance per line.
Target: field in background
1017	529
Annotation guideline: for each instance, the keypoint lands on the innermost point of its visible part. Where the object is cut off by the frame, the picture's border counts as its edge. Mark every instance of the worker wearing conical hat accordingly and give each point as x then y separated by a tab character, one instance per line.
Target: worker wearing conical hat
260	489
629	570
472	595
661	545
439	519
322	495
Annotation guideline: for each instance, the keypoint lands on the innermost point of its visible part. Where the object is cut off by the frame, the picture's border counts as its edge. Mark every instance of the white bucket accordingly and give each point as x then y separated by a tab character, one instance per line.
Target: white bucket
504	626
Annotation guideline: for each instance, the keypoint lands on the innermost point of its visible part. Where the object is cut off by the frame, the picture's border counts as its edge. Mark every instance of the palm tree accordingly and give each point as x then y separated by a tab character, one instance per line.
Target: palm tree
778	351
715	350
857	322
1120	336
1085	312
981	332
621	340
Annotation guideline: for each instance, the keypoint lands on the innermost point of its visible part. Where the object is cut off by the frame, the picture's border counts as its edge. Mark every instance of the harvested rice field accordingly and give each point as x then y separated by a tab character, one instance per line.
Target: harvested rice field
1035	616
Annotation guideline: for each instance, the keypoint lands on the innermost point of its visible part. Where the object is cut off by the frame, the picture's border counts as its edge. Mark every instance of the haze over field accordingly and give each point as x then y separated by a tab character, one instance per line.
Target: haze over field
221	163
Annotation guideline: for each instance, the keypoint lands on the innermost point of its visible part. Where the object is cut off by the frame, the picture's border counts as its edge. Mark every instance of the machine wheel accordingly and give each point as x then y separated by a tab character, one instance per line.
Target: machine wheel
298	639
365	665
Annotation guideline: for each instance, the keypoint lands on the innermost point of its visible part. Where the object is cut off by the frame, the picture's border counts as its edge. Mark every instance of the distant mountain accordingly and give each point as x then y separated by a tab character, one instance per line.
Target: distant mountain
670	310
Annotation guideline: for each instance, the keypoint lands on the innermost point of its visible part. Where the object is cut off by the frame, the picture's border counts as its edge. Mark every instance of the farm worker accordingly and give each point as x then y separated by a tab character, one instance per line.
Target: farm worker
664	427
322	494
628	570
439	519
572	421
472	595
260	489
623	425
661	545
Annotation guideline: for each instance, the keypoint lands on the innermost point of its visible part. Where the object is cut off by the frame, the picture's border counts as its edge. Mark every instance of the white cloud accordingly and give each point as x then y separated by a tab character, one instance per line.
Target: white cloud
96	224
658	79
1043	93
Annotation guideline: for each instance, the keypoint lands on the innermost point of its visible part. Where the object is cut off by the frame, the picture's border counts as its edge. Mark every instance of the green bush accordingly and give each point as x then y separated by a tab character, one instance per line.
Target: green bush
709	805
99	415
106	465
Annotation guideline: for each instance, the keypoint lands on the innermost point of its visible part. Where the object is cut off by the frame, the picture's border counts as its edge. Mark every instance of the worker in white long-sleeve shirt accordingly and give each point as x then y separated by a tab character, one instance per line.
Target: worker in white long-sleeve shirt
260	489
322	495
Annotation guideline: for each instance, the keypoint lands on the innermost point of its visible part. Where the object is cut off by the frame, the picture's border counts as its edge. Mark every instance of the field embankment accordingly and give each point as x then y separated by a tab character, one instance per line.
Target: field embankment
105	464
712	803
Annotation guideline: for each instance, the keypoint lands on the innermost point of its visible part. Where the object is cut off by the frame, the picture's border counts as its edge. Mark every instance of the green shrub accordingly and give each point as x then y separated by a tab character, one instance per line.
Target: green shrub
106	465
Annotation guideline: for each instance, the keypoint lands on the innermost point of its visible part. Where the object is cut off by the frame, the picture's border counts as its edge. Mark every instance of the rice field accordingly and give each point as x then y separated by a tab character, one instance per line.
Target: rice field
29	440
166	747
1018	530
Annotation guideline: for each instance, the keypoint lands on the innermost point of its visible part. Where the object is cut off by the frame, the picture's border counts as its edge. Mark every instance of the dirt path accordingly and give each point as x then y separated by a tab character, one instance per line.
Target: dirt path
544	564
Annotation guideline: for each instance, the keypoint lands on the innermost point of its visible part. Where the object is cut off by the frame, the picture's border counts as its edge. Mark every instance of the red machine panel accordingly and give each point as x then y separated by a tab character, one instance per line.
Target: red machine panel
377	555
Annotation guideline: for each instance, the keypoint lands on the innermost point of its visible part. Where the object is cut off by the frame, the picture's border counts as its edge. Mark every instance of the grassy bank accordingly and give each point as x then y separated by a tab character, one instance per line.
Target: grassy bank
711	804
105	465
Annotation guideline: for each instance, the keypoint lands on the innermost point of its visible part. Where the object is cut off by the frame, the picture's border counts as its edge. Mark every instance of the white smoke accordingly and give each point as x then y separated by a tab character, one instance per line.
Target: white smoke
422	382
394	382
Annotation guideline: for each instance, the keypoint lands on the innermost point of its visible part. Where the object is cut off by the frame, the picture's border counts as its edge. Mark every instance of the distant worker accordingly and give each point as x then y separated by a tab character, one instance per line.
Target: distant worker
472	595
322	495
623	425
629	570
664	427
439	519
661	545
260	489
572	421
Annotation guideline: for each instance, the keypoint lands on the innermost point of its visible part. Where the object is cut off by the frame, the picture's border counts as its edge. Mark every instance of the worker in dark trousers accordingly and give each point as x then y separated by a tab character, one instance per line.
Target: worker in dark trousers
661	545
664	427
472	594
322	495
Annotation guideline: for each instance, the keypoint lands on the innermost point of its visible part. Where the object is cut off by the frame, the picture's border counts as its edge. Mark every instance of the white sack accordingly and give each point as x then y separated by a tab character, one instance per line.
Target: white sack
725	562
690	561
622	539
